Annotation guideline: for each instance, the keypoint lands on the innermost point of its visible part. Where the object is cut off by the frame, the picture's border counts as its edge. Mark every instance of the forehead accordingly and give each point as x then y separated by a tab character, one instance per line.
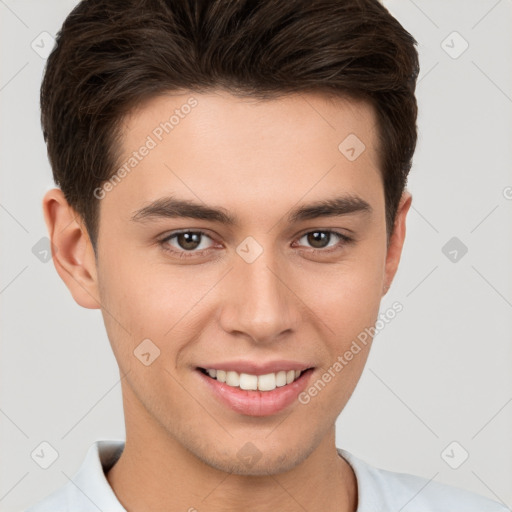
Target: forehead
219	148
239	116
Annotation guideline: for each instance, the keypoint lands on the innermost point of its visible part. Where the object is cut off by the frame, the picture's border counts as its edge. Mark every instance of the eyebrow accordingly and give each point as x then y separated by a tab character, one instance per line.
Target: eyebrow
171	207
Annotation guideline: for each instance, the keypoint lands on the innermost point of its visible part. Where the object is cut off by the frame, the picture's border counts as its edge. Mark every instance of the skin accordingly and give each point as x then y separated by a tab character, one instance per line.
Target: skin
258	160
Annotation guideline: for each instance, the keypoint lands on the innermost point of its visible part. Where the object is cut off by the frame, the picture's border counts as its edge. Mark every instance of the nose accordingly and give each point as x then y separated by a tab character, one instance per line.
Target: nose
257	301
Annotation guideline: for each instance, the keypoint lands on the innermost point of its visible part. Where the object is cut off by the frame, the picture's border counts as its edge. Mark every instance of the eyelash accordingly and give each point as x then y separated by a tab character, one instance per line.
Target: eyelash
344	239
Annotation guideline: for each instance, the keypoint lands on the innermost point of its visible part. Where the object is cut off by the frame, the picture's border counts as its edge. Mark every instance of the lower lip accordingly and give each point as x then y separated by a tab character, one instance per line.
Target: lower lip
257	403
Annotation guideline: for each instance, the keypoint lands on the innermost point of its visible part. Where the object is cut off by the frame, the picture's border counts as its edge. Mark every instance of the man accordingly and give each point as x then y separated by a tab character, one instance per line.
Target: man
232	196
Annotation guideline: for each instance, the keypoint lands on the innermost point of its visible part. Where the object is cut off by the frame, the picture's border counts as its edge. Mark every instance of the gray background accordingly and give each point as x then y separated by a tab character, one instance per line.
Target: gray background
438	373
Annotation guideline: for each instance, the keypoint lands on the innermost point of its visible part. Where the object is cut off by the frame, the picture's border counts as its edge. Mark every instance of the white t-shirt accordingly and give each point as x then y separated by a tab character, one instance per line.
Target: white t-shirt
378	490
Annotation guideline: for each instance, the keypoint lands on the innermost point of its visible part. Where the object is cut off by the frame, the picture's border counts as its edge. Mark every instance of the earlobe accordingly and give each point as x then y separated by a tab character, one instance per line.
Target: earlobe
397	240
73	256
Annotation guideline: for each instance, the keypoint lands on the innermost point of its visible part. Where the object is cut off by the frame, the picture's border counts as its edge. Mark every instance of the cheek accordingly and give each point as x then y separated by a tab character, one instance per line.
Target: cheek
150	301
128	301
347	296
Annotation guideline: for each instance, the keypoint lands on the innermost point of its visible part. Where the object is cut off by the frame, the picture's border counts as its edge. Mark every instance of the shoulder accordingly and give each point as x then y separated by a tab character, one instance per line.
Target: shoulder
63	499
382	490
88	489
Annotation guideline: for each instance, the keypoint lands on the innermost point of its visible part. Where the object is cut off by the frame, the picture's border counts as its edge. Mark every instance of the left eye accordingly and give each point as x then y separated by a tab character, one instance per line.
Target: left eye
321	239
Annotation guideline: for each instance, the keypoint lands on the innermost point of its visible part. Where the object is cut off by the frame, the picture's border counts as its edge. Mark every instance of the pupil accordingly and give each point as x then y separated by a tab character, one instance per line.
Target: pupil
189	241
317	239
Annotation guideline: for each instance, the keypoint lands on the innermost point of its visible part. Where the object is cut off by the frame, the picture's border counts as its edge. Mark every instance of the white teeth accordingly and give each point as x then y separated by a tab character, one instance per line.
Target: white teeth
281	378
267	382
250	382
233	379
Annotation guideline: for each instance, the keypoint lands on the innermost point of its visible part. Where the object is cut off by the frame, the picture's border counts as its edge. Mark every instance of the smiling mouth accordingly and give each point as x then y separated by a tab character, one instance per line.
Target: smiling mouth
251	382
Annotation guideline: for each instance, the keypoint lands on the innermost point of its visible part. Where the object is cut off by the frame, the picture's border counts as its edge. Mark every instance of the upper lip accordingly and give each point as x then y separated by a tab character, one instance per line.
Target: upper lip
257	368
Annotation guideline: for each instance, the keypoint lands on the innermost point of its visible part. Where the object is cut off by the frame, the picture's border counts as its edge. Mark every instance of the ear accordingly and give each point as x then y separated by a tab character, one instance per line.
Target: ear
396	241
73	256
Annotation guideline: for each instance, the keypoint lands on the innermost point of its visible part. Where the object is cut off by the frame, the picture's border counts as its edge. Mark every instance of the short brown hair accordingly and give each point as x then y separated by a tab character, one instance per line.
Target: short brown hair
111	55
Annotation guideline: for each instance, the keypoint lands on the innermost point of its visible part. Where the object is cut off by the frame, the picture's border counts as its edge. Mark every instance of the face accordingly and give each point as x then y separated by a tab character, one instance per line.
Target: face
278	268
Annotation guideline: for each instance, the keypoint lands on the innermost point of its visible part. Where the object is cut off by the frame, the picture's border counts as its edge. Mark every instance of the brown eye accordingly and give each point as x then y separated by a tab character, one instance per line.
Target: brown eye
188	240
322	240
318	239
187	243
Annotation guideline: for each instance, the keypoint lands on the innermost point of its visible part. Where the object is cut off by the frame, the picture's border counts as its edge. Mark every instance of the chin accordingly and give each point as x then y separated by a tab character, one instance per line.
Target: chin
251	461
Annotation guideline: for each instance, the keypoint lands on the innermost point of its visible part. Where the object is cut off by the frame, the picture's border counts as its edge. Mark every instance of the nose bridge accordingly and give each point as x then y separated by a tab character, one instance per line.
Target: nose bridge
258	303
